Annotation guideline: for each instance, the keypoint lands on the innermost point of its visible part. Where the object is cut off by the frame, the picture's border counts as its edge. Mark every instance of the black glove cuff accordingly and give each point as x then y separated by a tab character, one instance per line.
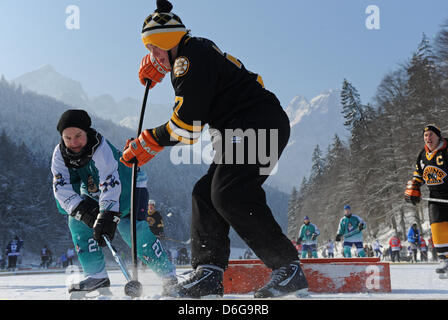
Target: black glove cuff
109	216
87	205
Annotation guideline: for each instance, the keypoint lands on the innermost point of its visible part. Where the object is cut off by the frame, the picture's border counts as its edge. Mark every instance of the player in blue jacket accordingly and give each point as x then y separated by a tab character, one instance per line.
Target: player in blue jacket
350	227
414	240
93	187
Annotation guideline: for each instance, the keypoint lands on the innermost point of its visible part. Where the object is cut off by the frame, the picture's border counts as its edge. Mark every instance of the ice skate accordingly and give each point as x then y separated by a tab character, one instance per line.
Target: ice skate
204	282
83	289
285	280
442	269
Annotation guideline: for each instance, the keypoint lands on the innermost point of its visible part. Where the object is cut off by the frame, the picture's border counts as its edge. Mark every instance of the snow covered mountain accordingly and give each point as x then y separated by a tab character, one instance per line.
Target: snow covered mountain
47	81
313	122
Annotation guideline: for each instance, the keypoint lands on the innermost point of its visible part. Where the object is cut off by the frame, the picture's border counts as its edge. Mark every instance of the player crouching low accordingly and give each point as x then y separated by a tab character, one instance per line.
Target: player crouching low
93	187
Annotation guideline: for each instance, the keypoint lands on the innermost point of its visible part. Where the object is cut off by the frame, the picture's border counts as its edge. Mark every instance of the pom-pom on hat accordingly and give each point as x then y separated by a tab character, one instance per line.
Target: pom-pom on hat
163	28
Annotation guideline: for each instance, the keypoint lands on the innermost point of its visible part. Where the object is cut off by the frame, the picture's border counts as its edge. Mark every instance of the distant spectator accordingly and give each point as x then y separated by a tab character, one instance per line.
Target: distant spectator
377	248
63	260
414	240
2	262
395	247
13	252
370	252
70	256
423	250
182	256
154	219
386	253
45	256
330	248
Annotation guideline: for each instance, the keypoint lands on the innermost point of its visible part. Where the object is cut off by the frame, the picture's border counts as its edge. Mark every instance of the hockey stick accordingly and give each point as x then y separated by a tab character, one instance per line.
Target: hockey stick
435	200
132	288
133	215
117	258
352	233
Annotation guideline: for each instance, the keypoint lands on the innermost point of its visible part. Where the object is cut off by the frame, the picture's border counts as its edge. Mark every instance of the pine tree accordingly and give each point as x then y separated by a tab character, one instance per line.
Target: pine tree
292	213
318	163
335	151
422	85
352	108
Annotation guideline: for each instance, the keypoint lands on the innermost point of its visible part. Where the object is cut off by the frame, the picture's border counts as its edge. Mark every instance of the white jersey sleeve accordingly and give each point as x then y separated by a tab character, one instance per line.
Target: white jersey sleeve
63	190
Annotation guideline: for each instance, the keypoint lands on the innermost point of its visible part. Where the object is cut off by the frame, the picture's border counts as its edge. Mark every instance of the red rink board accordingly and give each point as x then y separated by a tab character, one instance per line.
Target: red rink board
335	275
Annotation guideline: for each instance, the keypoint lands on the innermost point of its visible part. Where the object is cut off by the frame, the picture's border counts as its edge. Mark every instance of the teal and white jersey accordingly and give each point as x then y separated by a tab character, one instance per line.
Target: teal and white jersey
306	232
103	178
349	228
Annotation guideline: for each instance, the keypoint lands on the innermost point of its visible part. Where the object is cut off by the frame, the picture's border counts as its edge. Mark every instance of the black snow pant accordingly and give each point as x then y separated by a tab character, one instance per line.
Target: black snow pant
12	262
395	254
231	195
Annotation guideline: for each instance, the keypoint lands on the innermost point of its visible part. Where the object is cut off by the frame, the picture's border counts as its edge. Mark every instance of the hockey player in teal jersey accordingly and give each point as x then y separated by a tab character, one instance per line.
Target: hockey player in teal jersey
93	187
308	237
350	227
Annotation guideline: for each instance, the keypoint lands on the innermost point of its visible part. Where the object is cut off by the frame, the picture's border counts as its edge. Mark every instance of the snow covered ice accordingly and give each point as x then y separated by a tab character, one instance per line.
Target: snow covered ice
409	281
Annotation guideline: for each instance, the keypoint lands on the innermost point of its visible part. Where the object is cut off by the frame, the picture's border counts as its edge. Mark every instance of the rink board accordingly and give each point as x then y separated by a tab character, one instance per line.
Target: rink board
337	275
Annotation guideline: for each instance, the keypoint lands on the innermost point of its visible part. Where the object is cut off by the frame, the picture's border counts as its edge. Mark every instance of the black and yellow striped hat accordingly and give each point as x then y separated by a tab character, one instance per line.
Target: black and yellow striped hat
163	28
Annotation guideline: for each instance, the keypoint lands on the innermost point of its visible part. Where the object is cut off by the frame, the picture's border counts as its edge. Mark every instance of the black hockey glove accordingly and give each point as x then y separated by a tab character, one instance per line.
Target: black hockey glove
361	226
299	240
338	237
314	236
86	211
105	224
412	193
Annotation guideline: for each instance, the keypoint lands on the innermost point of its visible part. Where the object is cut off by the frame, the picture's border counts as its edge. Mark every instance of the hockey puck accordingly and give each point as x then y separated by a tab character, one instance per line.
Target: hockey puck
133	289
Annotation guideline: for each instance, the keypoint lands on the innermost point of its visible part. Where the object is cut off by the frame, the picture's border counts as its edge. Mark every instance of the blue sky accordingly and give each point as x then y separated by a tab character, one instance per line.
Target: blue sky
298	46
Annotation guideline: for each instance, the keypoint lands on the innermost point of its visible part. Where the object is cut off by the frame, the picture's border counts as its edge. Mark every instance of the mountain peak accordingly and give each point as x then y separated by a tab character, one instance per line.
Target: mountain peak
46	68
47	81
300	107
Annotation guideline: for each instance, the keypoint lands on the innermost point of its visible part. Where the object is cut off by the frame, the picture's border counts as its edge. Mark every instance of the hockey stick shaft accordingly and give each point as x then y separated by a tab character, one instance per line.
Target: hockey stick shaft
175	240
435	200
117	258
133	214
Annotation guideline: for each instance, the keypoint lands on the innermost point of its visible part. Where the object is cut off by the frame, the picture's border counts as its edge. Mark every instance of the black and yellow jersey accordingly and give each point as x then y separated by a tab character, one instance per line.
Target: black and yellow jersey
432	168
211	87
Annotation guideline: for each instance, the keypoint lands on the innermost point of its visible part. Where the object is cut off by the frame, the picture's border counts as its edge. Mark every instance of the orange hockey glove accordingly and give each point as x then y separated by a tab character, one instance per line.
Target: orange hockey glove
142	150
152	69
412	193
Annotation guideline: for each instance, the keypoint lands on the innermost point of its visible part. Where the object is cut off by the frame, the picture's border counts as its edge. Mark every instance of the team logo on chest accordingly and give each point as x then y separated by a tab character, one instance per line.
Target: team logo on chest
181	66
91	186
350	226
433	175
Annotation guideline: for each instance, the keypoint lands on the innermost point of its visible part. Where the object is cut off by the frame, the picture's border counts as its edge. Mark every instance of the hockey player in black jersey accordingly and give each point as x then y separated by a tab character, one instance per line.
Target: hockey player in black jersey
246	121
431	168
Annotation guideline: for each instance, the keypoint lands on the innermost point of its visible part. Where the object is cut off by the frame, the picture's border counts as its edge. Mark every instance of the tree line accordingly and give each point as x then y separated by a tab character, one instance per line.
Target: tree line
370	170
